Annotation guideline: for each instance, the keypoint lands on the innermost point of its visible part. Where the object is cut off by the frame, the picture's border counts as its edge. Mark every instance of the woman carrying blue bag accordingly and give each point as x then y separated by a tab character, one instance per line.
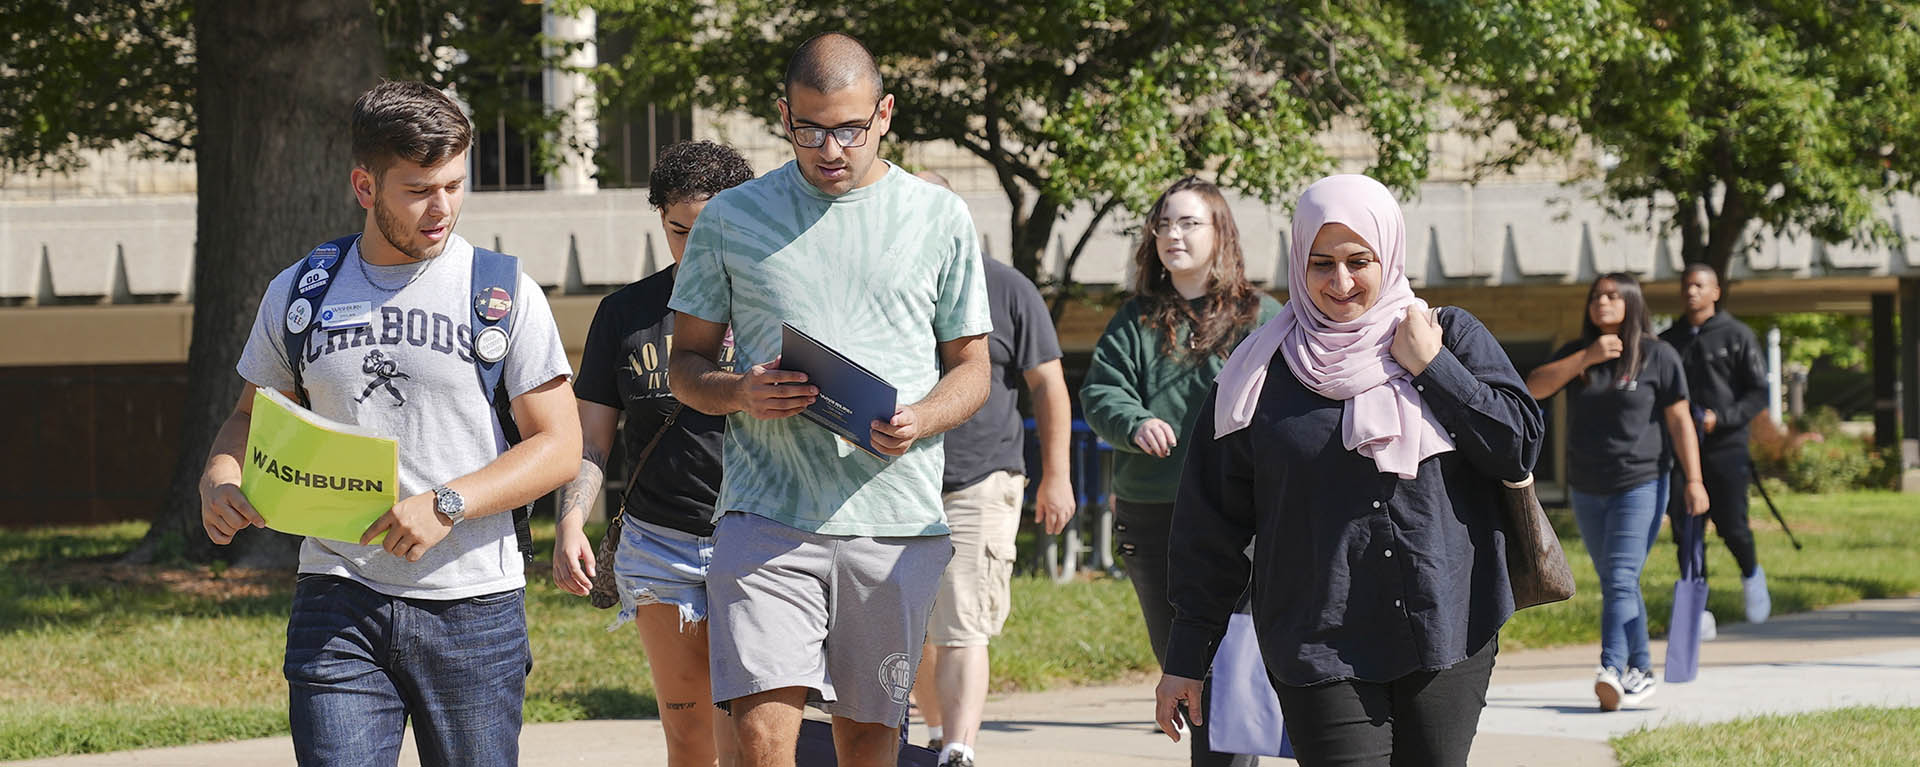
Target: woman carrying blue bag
1359	439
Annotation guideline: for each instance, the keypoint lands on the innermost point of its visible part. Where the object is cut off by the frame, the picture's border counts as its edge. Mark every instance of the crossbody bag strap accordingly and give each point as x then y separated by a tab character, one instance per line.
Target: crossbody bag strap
646	452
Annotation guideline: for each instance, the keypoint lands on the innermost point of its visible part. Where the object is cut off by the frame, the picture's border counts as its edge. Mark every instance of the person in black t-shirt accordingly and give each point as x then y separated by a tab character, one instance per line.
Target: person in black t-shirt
1624	383
661	564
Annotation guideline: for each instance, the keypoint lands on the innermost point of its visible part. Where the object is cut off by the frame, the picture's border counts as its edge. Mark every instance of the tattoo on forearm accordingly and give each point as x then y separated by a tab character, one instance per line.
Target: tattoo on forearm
578	496
677	706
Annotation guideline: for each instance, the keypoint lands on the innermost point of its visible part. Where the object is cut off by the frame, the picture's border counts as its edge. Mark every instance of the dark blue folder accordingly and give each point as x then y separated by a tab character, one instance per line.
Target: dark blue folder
851	397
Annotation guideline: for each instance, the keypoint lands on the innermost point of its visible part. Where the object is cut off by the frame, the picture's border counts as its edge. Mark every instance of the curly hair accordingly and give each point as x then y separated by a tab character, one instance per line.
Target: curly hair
1231	307
695	170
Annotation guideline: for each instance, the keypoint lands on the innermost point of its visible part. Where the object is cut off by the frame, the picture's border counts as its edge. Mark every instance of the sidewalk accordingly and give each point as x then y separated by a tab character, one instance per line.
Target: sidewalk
1540	709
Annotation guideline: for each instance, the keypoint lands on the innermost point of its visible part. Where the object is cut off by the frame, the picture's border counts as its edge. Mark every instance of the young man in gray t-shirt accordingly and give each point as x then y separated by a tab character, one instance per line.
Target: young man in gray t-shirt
428	625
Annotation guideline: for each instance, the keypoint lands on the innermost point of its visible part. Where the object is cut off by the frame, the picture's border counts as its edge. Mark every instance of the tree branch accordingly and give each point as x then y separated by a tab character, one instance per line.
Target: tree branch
1065	289
172	142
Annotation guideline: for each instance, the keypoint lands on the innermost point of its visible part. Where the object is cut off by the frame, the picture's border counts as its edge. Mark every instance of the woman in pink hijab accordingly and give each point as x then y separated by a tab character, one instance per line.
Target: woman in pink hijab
1358	439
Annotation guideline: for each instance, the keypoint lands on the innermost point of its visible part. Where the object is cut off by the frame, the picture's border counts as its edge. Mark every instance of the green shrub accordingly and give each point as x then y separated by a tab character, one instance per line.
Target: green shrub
1818	457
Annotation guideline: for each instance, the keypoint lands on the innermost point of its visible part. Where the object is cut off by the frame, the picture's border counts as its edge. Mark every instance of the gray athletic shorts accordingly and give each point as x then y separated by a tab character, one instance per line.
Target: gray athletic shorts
843	616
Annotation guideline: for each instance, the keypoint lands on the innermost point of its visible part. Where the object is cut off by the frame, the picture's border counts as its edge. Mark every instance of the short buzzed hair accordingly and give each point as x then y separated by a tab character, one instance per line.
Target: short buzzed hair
407	120
832	61
1700	266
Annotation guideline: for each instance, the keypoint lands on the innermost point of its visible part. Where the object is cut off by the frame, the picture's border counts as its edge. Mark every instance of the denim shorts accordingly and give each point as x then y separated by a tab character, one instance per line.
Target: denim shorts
658	565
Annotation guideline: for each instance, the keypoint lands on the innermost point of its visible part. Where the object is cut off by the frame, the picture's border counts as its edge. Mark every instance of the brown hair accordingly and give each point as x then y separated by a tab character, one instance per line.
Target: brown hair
407	120
1232	305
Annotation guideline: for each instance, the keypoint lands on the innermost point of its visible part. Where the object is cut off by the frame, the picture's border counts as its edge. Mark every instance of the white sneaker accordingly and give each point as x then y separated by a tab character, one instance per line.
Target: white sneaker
1606	687
956	755
1708	629
1639	685
1759	602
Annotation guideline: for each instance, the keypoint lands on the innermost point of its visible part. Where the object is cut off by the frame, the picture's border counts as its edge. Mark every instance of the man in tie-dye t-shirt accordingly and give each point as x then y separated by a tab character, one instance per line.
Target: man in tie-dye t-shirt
826	558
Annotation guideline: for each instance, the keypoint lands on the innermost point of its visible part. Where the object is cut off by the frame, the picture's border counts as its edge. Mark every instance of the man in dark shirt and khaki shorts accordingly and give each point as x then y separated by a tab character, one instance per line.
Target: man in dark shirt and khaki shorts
981	490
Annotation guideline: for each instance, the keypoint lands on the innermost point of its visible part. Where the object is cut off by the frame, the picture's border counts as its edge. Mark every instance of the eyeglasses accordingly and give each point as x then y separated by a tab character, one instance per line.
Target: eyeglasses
847	137
1169	228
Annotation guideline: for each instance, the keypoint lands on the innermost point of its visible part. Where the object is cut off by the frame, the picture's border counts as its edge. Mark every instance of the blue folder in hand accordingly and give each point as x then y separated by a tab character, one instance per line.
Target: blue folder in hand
851	397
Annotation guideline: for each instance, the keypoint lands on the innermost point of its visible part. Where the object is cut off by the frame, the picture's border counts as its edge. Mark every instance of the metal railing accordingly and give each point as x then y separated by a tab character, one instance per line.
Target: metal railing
1087	542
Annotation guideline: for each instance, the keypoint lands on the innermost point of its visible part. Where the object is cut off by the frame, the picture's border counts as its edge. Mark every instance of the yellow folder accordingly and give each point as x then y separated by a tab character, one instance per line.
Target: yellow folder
308	475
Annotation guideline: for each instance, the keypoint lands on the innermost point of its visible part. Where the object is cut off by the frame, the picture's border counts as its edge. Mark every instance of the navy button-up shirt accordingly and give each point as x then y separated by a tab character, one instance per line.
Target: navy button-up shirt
1356	573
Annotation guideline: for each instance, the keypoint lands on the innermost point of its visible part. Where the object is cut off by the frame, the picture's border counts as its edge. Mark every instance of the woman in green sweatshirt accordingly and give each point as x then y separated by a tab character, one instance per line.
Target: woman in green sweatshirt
1151	372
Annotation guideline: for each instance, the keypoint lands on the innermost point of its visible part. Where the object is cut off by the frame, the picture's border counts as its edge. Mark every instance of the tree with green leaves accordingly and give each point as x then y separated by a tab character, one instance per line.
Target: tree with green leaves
259	97
1068	101
1725	118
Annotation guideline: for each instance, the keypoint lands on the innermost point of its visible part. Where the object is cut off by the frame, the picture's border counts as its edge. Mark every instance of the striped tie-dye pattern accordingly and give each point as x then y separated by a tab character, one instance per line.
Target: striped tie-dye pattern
882	274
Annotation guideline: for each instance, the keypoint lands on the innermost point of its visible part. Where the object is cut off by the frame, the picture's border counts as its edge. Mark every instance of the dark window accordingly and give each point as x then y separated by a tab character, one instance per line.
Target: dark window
632	130
504	156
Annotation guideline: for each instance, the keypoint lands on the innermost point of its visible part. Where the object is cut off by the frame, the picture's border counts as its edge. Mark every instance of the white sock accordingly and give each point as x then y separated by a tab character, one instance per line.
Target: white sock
933	732
955	748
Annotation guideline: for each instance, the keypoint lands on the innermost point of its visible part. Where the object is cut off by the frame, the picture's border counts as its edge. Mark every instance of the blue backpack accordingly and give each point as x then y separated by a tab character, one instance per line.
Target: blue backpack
495	276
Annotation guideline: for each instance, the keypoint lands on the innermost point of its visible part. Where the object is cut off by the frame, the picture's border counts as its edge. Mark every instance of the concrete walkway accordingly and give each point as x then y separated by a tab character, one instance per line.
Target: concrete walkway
1540	709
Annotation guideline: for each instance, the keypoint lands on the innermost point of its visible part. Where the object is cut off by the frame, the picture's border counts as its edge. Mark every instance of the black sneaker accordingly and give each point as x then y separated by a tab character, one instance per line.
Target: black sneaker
956	759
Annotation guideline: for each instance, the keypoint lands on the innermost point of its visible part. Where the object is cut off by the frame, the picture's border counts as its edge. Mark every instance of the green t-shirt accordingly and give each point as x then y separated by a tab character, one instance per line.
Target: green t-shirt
882	274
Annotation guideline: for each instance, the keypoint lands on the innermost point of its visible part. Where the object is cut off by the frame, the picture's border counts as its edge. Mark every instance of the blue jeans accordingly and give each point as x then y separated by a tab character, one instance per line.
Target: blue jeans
360	663
1618	530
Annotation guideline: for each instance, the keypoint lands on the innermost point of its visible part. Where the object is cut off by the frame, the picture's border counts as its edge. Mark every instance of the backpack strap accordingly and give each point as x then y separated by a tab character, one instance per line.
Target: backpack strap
495	277
304	298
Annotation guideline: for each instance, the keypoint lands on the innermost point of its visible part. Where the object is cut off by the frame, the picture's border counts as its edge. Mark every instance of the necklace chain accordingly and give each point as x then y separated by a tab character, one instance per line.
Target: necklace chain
368	275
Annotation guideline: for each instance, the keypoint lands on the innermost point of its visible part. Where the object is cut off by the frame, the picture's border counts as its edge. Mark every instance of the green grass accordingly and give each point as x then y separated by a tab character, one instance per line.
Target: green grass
1858	546
1853	737
96	658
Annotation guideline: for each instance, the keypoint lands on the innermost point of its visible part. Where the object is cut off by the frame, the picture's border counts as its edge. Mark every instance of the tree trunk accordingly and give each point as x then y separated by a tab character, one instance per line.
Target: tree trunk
1065	290
276	93
1031	230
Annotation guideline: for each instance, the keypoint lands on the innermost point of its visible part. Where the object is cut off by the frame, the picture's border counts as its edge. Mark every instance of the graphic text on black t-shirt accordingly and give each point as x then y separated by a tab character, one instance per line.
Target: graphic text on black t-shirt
648	361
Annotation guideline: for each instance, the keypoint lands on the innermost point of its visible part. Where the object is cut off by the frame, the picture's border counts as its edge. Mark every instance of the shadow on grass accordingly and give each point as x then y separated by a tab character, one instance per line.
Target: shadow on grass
25	607
58	578
607	703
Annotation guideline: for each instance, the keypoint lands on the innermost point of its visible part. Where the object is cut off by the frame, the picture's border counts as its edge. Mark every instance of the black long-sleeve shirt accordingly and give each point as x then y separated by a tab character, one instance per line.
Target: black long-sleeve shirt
1726	373
1356	573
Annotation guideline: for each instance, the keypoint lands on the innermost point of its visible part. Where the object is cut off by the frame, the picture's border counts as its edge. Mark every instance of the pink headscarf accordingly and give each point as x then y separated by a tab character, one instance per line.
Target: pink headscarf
1384	417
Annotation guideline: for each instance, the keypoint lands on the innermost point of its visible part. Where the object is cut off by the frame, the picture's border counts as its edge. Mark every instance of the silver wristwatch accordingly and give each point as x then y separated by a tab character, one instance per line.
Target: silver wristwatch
450	504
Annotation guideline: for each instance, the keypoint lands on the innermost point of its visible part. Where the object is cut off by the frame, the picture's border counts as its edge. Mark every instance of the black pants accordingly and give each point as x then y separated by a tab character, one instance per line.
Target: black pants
1141	531
1726	473
1423	719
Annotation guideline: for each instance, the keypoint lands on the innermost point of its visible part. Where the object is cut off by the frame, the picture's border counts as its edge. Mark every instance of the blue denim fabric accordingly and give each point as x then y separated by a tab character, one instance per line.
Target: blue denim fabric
658	565
1618	530
359	664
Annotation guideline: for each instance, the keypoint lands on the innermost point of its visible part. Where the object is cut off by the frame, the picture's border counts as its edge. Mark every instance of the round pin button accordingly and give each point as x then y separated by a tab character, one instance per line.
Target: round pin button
491	345
323	257
313	281
299	315
492	304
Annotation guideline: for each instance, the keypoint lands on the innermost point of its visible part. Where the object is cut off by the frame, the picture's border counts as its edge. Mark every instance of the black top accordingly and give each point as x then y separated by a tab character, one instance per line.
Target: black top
1022	339
624	366
1726	373
1356	573
1616	430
